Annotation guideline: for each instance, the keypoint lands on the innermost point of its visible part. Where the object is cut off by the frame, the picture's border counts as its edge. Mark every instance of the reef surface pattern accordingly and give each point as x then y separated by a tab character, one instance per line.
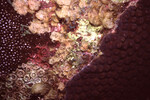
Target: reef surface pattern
122	72
43	44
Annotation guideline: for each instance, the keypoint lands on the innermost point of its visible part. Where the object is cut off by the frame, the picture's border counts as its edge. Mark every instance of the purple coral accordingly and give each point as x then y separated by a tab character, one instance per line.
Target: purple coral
122	72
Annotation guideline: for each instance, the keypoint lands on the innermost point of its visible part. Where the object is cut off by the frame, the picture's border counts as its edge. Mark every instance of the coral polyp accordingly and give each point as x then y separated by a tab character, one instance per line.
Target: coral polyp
68	49
41	56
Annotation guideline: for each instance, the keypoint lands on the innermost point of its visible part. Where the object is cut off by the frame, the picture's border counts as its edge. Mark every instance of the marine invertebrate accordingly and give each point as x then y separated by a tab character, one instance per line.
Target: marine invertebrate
27	77
41	56
37	26
121	72
16	45
40	88
24	6
21	6
70	42
34	4
13	49
120	1
48	4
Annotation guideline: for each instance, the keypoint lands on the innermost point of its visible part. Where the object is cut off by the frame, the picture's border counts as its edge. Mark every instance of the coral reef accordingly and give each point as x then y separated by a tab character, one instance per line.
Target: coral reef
24	6
13	48
120	1
122	71
16	42
30	81
49	41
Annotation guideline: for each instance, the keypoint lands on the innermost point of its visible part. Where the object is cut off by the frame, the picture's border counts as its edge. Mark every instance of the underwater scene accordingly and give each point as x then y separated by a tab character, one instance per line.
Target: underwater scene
74	50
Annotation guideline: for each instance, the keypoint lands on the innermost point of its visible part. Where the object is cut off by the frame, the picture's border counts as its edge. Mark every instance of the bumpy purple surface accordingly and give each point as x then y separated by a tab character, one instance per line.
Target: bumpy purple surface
123	71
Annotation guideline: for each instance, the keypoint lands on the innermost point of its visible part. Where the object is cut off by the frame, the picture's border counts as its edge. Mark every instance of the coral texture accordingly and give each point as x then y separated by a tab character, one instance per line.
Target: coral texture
15	41
12	46
122	72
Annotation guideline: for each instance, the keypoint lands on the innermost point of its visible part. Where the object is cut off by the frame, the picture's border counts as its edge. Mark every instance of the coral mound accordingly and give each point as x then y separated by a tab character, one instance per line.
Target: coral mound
122	72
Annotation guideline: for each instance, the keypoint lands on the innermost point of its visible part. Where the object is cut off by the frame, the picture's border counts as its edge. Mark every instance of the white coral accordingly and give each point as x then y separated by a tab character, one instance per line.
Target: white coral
34	4
63	2
42	15
63	12
56	36
37	26
21	6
